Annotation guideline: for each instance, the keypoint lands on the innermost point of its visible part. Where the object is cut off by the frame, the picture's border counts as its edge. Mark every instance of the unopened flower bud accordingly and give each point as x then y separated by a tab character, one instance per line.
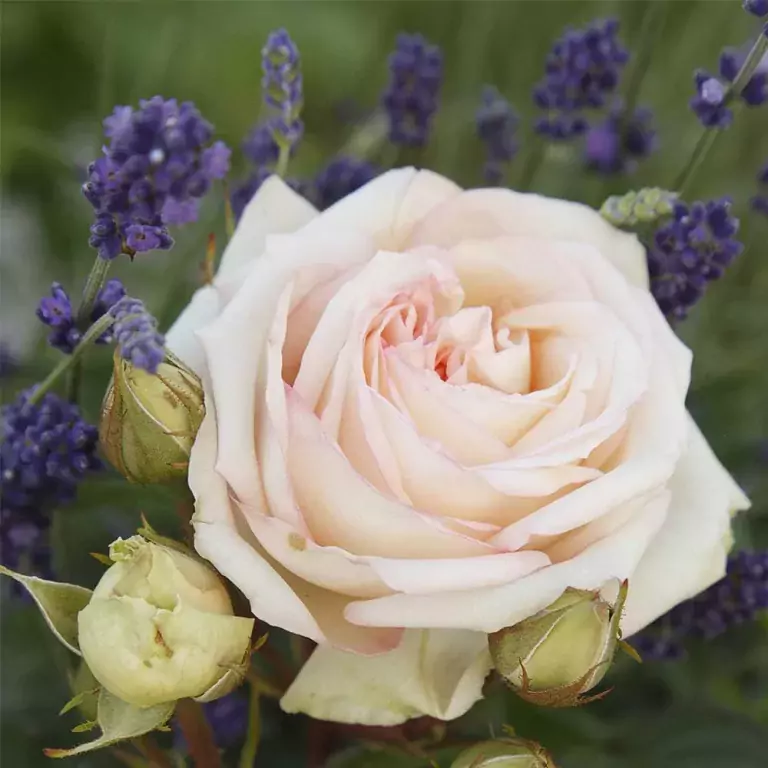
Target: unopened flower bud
149	421
159	626
504	753
558	654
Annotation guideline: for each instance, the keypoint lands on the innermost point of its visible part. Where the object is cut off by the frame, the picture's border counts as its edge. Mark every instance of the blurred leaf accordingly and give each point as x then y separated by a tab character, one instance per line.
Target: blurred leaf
118	720
59	603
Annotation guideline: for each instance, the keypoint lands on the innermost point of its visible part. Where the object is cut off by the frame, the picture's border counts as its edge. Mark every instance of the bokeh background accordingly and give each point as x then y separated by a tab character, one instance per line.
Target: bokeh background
64	66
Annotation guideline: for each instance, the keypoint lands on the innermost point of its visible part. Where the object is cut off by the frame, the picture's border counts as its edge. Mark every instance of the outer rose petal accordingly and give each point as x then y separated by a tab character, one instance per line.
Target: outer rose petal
274	209
688	554
489	213
388	207
218	540
436	673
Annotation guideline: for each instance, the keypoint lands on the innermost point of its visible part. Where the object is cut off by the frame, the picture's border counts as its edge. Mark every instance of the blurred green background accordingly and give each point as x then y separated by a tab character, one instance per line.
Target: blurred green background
64	65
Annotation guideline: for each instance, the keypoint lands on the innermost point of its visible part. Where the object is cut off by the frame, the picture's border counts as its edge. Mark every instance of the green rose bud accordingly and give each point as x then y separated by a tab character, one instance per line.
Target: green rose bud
504	753
149	421
159	626
558	654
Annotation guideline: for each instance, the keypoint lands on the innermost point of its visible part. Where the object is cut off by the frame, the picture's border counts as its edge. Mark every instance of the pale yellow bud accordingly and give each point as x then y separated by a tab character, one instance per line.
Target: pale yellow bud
561	652
149	421
504	753
159	626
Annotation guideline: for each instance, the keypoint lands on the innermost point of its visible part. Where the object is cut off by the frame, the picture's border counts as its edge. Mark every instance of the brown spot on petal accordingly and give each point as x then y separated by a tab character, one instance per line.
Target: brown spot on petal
297	541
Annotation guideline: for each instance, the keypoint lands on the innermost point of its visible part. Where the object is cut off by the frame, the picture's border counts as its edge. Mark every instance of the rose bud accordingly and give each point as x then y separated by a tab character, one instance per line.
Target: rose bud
149	421
561	652
159	626
504	753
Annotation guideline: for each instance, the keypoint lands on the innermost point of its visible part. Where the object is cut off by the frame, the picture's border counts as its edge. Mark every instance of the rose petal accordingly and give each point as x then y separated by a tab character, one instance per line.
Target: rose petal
342	509
439	674
274	208
487	213
689	552
492	608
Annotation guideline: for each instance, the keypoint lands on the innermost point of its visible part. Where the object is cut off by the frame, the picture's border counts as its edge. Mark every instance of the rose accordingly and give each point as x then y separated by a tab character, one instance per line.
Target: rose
428	412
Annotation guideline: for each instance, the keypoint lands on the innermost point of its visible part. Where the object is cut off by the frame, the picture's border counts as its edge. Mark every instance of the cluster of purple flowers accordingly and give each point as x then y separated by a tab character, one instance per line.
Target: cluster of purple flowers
136	334
342	176
757	8
689	251
737	598
617	143
497	124
283	87
411	96
713	101
582	72
56	312
760	200
47	449
159	163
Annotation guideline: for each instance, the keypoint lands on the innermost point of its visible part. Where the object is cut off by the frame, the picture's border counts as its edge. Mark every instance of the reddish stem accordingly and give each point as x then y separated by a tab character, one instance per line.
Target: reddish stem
198	734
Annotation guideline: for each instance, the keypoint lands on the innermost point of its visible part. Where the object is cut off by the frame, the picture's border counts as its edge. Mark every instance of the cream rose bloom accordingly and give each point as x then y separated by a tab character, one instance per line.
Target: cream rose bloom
429	411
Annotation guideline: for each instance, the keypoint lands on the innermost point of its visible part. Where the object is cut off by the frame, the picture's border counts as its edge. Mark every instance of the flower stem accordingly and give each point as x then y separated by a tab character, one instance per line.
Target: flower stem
532	164
253	735
102	324
653	18
707	140
282	160
198	734
93	285
368	138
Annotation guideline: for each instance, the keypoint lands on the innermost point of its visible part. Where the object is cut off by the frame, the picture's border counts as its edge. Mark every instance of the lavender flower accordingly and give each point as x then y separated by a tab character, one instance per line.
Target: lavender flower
582	70
691	250
136	333
737	598
760	201
46	450
411	96
159	163
56	312
342	176
497	123
615	146
713	100
283	87
757	8
260	146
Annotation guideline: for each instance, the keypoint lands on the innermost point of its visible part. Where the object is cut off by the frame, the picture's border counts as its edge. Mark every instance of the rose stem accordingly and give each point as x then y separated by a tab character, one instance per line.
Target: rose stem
198	734
253	735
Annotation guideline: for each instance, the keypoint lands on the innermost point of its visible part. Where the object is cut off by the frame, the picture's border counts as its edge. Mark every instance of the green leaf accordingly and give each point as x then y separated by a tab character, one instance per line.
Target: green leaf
119	720
59	603
88	725
76	700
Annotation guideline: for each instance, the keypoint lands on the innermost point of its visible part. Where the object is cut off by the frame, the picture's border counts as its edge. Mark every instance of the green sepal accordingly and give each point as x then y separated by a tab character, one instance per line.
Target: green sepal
150	534
77	700
58	602
88	725
119	720
103	559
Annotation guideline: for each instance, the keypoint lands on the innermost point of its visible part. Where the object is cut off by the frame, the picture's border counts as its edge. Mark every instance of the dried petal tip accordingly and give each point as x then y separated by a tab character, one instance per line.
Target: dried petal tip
560	653
505	753
149	421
